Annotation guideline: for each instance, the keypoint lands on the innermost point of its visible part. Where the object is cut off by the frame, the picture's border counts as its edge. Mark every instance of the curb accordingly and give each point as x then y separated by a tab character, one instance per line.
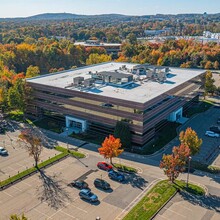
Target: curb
137	199
30	174
155	214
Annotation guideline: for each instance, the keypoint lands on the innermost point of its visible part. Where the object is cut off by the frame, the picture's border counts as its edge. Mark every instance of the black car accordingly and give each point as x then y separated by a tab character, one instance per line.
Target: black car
215	129
99	183
79	184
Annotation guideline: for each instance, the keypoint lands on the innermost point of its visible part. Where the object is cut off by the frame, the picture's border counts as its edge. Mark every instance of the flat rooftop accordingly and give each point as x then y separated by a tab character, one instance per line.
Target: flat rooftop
97	44
138	91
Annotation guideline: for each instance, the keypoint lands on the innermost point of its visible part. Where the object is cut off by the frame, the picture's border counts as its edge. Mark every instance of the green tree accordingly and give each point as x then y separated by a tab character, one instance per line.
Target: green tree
16	95
32	71
123	132
209	83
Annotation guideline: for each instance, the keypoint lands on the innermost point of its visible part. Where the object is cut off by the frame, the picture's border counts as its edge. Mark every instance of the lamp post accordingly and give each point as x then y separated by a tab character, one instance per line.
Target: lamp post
187	180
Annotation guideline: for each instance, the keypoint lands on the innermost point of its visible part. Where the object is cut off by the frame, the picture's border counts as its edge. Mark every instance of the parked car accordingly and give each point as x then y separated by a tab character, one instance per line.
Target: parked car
99	183
79	184
3	151
104	166
88	195
215	129
211	134
116	176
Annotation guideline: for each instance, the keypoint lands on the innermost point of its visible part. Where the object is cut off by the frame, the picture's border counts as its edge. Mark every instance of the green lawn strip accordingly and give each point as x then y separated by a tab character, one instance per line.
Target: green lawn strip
71	152
31	170
157	197
95	139
205	167
125	168
50	125
202	106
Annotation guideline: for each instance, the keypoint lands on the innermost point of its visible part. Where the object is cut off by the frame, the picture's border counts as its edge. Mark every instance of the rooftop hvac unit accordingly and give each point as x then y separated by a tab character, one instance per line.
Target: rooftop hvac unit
167	69
89	82
78	80
124	80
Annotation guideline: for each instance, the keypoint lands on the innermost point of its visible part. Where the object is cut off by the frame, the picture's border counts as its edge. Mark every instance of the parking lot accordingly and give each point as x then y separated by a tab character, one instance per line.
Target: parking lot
185	209
48	196
210	146
18	158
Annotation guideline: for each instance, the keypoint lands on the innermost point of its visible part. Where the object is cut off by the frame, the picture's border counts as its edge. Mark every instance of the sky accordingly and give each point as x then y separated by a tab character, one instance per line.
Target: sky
24	8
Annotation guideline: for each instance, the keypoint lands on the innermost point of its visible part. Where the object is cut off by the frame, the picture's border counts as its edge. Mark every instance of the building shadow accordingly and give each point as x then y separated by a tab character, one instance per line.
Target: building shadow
135	181
52	192
211	202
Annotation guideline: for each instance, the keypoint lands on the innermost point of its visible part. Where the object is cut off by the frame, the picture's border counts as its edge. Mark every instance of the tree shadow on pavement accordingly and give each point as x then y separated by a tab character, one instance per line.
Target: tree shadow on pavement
135	181
52	192
211	202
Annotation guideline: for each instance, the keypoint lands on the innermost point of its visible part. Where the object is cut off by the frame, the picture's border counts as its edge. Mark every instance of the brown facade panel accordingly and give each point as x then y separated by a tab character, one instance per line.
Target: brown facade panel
128	115
87	95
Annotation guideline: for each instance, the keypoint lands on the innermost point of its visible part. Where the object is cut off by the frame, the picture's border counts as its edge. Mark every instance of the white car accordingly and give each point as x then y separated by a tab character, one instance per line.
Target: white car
3	151
211	134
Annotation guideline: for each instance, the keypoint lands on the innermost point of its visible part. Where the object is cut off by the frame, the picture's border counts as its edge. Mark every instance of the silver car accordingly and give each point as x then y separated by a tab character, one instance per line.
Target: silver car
3	151
211	134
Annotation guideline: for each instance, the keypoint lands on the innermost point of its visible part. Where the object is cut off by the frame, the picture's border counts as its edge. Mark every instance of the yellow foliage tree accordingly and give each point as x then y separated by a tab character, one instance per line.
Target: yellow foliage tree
190	139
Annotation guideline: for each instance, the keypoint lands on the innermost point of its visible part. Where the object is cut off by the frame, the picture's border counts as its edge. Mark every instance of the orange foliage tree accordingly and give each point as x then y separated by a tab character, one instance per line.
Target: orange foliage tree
174	164
33	143
111	147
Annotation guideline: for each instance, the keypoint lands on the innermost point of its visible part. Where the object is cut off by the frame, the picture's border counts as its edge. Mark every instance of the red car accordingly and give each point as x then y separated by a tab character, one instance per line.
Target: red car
104	166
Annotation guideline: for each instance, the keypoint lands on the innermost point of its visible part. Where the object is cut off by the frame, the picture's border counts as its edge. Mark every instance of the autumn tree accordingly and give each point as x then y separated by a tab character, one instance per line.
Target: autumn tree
209	83
174	164
16	217
190	139
110	147
95	58
33	143
32	71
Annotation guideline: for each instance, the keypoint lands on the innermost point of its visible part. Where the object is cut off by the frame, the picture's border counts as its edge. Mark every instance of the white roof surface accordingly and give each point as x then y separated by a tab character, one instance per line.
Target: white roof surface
97	44
141	92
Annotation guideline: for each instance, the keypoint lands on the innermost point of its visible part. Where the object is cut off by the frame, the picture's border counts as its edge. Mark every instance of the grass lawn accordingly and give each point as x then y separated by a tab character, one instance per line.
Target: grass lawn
16	115
50	125
71	152
202	106
205	167
157	197
31	170
125	168
95	139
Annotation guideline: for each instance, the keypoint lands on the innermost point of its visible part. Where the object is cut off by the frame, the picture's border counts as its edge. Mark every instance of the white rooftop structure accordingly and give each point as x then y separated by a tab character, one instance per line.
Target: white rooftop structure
142	89
96	43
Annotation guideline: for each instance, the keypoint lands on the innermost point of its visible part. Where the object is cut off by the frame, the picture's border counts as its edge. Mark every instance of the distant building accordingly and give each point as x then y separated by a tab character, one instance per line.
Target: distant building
95	97
209	34
111	48
165	31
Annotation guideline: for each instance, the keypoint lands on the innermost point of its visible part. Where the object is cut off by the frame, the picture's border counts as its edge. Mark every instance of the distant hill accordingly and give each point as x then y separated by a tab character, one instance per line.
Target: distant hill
106	17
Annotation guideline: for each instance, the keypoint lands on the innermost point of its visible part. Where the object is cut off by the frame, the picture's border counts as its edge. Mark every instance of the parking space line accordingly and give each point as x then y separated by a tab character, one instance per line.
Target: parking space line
79	208
8	194
162	216
26	183
35	209
69	215
168	209
17	188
